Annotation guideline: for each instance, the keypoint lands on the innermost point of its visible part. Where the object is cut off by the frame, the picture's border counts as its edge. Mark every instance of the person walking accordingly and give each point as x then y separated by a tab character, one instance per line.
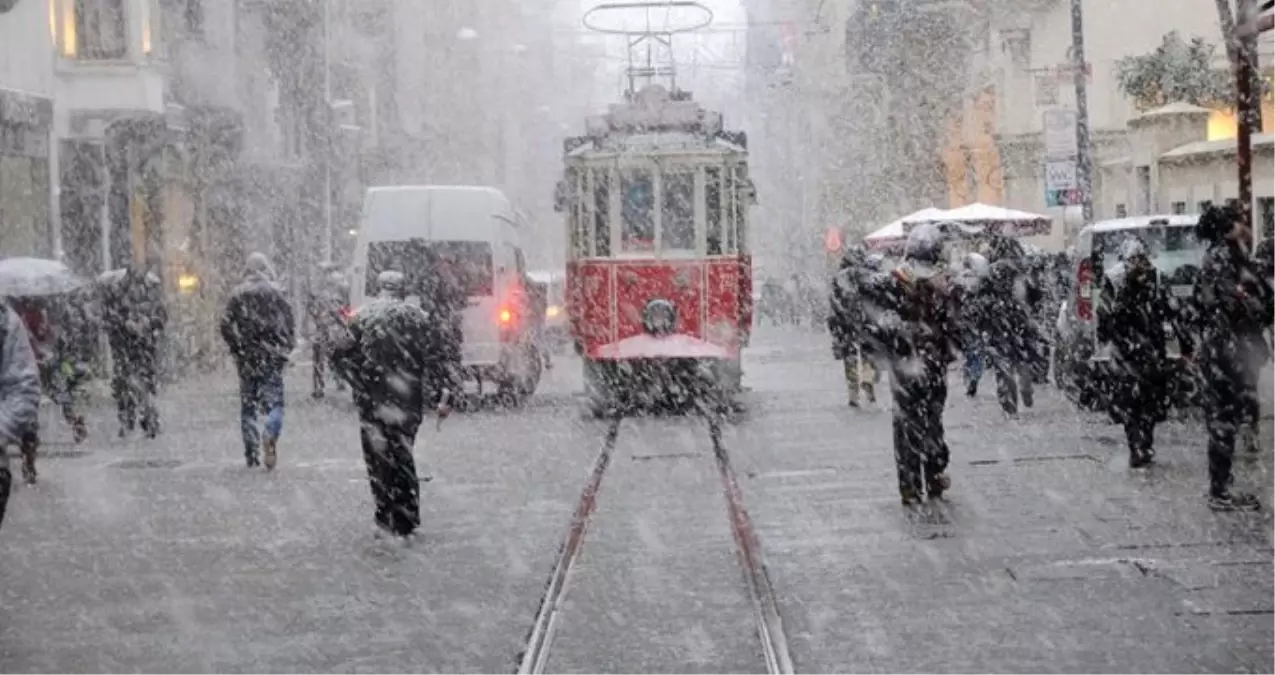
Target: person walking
395	353
135	318
846	323
19	393
1132	318
917	326
1235	302
327	301
258	329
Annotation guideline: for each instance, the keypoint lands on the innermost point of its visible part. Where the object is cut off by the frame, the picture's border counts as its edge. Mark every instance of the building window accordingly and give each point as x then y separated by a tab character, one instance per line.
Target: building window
193	17
1179	208
1121	211
1143	201
99	31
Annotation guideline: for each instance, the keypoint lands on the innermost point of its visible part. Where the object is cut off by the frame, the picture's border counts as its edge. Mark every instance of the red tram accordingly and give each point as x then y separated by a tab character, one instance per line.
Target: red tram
659	275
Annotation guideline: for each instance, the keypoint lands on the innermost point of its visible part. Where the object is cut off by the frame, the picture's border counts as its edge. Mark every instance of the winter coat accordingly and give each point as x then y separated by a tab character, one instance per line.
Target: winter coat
395	355
915	312
1235	302
134	314
1002	310
258	326
1132	317
19	380
848	317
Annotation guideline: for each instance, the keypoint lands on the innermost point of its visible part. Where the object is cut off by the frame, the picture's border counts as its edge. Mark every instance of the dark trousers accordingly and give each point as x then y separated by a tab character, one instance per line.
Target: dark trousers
1139	431
260	391
134	387
6	484
1230	401
920	451
1013	380
391	470
322	355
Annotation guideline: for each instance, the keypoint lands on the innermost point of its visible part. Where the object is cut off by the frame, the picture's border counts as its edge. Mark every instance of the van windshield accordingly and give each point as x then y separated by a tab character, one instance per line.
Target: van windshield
1170	247
467	264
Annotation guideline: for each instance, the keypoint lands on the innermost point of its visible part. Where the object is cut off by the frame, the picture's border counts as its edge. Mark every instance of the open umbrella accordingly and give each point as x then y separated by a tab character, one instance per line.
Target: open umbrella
33	277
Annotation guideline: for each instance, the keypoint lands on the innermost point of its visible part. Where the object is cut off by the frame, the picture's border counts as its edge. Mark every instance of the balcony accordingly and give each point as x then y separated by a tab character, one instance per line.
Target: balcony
105	64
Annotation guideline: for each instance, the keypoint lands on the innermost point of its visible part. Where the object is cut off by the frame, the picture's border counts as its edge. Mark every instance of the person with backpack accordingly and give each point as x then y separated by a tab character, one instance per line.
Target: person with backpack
259	332
917	309
19	393
1132	317
846	325
396	355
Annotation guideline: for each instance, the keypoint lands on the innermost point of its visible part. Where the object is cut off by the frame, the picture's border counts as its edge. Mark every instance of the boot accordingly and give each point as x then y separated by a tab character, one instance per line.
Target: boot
910	496
1141	458
79	429
1227	500
870	392
269	449
28	463
936	485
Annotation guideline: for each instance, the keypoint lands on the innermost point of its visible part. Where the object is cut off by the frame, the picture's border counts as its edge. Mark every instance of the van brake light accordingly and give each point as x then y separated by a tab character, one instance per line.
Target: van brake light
506	316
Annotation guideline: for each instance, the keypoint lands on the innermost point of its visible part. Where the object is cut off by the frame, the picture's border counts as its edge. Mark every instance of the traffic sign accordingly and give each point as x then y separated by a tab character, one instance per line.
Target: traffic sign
1060	174
1060	133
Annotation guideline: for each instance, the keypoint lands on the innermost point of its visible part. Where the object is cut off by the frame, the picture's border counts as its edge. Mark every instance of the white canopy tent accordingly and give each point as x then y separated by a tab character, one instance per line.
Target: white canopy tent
896	233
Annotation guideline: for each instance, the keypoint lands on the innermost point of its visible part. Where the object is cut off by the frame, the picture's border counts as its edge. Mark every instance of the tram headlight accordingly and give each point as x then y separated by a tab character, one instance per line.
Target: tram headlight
659	317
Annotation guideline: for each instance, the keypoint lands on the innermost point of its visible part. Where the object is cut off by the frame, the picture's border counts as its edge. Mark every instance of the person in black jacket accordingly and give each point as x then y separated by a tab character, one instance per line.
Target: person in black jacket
1131	318
395	353
258	329
846	324
1011	338
135	317
1235	301
916	313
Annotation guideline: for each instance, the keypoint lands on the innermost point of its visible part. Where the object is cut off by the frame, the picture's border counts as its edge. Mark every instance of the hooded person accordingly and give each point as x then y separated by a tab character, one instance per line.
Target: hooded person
1132	317
846	324
258	329
915	315
135	318
1234	298
19	395
395	353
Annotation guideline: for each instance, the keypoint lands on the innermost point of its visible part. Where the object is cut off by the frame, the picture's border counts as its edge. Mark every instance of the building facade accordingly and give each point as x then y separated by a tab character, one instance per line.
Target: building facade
28	153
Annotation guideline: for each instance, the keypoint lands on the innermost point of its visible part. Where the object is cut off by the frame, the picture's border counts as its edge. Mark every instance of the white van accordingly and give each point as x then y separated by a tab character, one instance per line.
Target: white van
474	234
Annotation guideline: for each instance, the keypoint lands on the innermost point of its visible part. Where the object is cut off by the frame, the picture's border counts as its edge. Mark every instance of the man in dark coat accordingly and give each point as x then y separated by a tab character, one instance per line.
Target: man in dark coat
916	313
1011	339
1132	316
394	353
1235	301
259	331
846	323
135	317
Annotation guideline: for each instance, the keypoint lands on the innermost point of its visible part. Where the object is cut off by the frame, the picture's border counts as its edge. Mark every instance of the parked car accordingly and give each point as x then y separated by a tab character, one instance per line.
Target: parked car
1081	362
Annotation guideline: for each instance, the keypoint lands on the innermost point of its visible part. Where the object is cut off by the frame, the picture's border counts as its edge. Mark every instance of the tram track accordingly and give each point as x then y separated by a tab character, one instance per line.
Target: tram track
760	593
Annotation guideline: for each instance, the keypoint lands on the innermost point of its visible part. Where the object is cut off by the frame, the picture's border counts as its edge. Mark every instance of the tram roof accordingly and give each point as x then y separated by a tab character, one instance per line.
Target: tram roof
666	141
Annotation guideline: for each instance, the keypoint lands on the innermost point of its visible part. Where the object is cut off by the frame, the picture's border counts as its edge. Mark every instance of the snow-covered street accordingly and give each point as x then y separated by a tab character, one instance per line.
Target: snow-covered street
1049	553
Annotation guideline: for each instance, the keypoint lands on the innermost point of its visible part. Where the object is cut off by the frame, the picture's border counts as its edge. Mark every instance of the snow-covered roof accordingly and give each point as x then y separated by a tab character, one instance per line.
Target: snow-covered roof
1227	145
1143	222
1176	108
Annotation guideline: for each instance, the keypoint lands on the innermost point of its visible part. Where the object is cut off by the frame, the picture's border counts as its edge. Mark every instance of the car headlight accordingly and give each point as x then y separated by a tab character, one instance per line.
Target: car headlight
659	317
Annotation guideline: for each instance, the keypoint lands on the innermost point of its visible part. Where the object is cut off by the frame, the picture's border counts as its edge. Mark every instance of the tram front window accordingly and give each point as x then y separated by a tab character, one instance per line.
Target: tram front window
677	215
637	211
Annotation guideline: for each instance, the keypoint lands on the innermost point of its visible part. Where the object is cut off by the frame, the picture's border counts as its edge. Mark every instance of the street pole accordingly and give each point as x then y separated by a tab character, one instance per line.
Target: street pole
1245	106
1084	165
327	132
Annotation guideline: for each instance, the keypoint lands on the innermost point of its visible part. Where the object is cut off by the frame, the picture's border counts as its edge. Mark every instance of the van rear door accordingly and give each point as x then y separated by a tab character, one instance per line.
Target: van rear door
470	266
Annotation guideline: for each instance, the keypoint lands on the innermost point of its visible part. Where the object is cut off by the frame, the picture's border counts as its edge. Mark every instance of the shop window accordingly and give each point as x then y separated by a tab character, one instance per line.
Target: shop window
637	211
100	30
677	212
1122	211
713	208
1178	208
602	212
